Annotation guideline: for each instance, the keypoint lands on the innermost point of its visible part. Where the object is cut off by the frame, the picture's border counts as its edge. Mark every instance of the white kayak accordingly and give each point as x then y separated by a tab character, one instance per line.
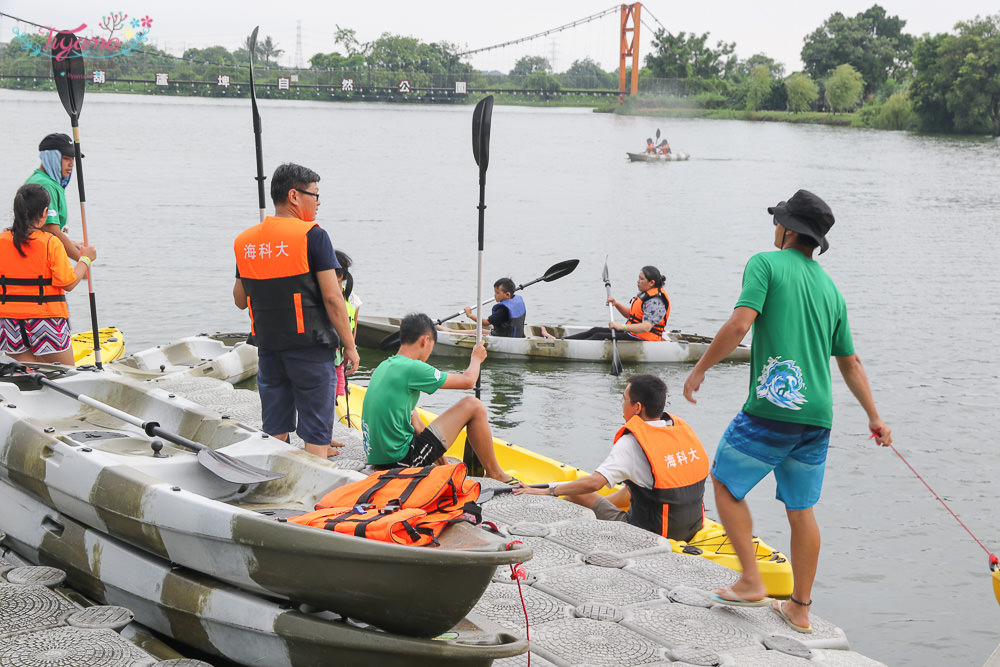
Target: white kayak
221	356
223	620
658	157
110	475
675	347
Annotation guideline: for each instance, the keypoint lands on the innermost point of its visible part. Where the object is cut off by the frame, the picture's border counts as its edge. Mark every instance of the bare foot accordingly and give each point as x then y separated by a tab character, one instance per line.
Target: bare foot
793	614
742	591
322	451
338	444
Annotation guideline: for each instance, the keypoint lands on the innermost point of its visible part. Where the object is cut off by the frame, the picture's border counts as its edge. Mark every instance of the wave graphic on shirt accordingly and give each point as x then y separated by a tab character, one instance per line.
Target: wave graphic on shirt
781	383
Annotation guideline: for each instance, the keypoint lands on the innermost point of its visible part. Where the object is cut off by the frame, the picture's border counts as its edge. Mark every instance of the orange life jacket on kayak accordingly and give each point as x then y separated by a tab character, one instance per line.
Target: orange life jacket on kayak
284	299
432	488
402	505
407	526
674	507
26	287
635	314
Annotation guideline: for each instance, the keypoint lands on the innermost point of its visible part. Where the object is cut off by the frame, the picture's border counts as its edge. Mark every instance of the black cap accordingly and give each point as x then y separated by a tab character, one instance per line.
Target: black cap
807	214
58	141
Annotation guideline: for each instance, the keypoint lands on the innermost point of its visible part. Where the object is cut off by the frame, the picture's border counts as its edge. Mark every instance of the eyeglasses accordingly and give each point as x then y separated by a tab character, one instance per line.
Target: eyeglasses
306	192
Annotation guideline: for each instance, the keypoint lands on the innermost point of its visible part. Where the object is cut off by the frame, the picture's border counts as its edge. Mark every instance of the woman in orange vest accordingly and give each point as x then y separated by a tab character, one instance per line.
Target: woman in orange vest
35	274
648	311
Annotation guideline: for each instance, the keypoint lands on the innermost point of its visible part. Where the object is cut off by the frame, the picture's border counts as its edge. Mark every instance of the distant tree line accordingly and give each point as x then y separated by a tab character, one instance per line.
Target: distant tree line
867	64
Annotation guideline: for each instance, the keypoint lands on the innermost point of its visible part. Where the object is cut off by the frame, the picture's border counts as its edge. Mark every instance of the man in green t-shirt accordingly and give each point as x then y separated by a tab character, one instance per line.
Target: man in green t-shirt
393	433
799	321
57	153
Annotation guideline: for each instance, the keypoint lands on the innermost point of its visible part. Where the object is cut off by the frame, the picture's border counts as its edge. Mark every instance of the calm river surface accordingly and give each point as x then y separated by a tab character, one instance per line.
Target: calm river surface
170	184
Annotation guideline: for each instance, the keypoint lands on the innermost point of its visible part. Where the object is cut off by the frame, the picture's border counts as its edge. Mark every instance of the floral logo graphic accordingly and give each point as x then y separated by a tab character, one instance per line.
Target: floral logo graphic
781	383
60	45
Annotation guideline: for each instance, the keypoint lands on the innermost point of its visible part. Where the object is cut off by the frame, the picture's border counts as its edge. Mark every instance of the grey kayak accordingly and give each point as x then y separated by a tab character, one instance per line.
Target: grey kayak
659	157
102	472
223	620
220	356
676	346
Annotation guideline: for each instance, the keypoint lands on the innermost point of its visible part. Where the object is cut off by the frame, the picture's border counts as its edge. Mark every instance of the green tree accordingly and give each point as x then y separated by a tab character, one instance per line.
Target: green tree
744	68
759	87
587	73
956	87
268	49
844	88
528	65
215	55
872	42
802	92
541	80
684	56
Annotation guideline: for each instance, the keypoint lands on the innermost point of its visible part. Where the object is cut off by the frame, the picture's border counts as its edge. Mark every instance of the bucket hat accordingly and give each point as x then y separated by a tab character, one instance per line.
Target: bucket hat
807	214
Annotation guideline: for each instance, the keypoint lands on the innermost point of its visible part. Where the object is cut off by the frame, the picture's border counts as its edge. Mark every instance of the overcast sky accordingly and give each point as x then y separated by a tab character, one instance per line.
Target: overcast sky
775	27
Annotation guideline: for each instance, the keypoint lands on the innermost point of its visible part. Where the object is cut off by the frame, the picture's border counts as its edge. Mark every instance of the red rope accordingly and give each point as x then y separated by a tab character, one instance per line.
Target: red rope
994	561
517	573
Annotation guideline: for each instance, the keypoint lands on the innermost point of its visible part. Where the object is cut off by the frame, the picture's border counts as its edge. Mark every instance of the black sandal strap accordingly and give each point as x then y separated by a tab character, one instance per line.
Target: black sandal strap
802	604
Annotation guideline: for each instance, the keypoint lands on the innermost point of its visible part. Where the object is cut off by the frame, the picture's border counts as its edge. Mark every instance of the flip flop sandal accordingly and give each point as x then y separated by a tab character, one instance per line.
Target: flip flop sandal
776	608
735	600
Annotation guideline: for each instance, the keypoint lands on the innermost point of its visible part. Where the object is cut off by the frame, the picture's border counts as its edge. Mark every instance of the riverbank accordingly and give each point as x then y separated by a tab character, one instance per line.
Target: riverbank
804	118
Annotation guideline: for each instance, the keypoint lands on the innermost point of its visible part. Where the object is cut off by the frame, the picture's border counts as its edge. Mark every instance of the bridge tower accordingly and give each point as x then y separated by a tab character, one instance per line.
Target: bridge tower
629	46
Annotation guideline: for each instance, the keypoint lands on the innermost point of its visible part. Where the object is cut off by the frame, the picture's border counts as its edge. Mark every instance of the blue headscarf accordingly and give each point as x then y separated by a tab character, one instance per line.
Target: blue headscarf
52	164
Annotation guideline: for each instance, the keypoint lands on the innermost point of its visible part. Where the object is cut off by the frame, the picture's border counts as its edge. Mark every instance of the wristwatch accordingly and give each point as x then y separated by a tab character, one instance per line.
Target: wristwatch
552	490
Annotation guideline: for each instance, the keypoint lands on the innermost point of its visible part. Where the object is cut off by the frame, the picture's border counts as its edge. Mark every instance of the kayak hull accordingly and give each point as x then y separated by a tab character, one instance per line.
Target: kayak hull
101	472
659	157
197	356
220	619
110	339
676	346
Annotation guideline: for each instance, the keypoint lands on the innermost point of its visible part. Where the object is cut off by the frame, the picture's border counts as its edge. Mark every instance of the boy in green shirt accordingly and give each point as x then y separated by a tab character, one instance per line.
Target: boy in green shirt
393	433
799	321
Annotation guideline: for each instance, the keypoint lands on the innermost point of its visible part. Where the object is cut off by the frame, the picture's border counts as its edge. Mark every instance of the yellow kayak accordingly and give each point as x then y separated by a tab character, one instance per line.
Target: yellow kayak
711	541
996	584
112	346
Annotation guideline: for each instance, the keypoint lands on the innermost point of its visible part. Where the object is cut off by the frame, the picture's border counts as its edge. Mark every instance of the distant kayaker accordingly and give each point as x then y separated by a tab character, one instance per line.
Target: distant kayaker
507	318
650	146
659	459
286	275
799	321
663	147
646	315
36	273
57	153
394	435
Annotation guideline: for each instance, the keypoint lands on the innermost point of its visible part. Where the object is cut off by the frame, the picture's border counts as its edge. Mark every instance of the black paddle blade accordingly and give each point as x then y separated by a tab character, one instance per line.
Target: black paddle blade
604	274
560	270
616	362
68	73
390	342
253	92
657	134
481	118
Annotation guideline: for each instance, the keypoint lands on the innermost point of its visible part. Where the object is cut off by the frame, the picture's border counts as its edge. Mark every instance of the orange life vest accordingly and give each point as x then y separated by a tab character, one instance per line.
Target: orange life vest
27	285
431	488
674	507
404	505
635	314
284	299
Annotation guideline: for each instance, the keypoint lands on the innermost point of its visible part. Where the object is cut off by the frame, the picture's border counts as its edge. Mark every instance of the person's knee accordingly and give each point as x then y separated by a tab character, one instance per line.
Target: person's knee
472	406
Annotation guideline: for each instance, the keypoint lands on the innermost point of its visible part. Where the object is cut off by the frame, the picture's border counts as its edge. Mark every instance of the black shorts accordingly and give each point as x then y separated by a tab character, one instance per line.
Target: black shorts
426	447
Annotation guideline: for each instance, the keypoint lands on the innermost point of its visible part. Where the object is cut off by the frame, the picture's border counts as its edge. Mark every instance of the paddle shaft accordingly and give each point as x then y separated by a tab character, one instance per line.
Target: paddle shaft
616	362
549	276
83	225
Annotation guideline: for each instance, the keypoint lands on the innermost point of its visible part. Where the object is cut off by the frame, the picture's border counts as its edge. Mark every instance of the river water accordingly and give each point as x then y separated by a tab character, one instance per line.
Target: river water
170	184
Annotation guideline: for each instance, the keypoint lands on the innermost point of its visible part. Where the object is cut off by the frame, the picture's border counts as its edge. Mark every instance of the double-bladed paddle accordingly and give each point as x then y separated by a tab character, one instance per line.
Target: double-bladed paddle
554	272
616	362
224	467
70	79
482	116
257	128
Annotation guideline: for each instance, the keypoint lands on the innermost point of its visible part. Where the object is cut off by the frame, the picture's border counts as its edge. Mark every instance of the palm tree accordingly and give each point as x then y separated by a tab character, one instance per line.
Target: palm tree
269	49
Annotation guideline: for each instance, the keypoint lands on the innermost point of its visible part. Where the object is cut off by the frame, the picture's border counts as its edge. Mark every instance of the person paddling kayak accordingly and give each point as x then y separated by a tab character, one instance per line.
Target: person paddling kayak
646	314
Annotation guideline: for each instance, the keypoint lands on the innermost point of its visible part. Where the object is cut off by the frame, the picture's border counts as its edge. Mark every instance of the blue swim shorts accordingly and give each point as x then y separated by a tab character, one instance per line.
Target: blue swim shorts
753	446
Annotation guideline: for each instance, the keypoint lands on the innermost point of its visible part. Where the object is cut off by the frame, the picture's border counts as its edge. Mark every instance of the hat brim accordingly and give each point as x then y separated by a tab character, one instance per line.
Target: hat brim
789	221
